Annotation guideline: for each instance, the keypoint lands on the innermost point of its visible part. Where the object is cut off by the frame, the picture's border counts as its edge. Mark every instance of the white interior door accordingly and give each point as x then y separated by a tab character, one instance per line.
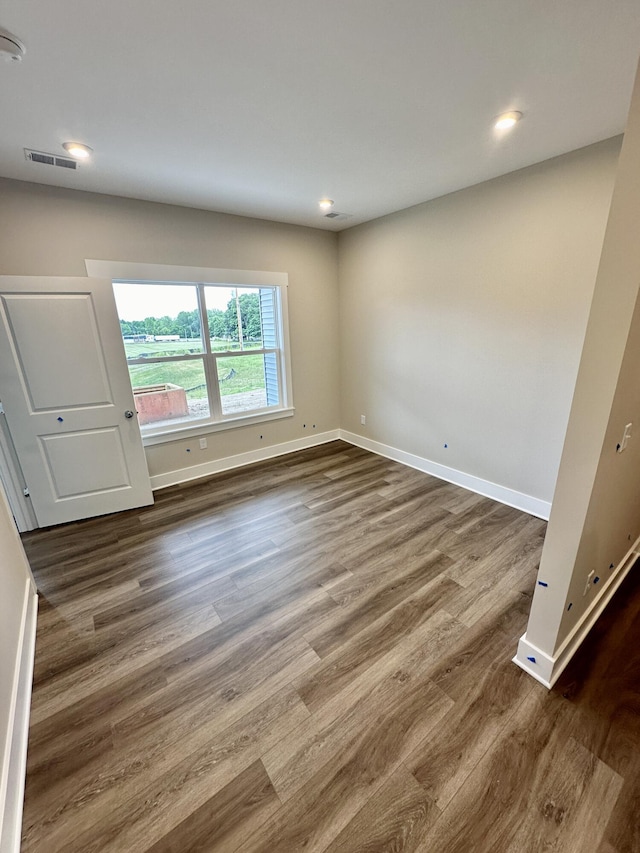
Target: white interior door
65	389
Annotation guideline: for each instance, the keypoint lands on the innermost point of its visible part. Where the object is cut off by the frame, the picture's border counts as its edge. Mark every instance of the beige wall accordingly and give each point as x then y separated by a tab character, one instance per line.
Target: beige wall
612	522
14	576
15	589
596	510
462	319
49	231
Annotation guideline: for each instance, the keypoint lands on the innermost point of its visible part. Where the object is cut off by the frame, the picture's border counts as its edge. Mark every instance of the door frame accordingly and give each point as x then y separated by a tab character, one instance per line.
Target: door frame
13	480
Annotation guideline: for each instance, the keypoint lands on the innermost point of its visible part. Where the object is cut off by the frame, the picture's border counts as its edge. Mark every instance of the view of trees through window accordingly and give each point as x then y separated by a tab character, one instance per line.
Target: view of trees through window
180	374
223	325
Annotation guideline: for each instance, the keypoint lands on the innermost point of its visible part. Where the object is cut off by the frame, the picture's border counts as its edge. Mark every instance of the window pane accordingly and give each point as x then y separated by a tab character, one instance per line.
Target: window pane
248	382
158	319
224	304
169	392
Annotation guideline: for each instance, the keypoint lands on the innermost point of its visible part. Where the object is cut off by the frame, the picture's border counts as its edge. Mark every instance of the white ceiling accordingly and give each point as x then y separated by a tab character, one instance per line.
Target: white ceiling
261	107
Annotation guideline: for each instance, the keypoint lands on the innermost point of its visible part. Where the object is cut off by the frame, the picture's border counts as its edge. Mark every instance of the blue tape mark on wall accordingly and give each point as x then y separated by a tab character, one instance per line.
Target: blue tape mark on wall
570	605
542	583
596	579
60	419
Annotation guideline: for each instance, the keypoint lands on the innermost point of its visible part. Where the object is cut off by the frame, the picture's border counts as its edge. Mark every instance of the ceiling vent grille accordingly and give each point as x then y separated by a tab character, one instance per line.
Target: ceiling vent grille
50	159
334	215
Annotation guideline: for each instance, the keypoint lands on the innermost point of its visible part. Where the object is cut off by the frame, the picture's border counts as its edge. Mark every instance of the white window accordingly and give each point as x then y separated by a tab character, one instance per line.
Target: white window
203	355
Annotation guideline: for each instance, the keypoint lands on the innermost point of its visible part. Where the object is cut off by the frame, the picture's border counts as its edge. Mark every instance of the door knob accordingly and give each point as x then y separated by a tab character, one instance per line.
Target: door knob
128	413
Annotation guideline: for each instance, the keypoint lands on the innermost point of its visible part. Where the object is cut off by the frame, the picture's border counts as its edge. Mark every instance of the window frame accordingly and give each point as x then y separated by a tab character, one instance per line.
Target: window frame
123	272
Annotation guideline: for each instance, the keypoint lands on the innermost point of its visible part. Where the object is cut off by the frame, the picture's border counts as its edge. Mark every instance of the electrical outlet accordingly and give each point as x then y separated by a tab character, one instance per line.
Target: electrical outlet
203	443
363	419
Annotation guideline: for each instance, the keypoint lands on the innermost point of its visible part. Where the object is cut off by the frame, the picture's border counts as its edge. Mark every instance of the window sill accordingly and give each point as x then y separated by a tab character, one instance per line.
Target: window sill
206	428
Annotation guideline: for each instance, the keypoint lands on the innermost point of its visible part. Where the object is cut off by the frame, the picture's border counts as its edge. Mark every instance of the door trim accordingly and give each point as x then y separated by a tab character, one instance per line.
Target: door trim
14	482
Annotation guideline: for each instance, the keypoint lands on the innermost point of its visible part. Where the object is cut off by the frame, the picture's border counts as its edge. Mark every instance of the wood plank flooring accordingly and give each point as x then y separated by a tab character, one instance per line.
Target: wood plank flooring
313	654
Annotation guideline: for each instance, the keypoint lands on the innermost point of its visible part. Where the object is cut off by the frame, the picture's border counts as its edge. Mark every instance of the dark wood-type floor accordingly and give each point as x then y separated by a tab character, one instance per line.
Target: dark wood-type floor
313	654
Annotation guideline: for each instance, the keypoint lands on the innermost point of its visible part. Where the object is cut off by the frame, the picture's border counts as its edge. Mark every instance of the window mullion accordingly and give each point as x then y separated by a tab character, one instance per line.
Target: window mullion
213	386
210	363
204	318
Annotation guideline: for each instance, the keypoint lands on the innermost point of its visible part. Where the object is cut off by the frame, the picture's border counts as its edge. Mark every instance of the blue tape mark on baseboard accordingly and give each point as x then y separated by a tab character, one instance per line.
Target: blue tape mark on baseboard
542	583
533	660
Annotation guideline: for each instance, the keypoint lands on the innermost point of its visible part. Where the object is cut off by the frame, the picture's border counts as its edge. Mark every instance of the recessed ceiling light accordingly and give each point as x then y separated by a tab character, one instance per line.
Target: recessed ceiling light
326	203
507	120
78	150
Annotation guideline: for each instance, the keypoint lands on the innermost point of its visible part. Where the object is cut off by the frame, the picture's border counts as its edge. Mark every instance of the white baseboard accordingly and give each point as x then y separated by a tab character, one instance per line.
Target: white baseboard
11	807
502	494
547	669
534	661
526	503
194	472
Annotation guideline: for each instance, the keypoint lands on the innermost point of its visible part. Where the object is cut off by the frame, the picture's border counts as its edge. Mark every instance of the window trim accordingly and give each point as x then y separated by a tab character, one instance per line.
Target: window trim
141	273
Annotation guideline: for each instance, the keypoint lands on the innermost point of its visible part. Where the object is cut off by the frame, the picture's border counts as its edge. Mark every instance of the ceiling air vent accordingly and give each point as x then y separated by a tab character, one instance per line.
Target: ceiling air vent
334	215
66	163
50	159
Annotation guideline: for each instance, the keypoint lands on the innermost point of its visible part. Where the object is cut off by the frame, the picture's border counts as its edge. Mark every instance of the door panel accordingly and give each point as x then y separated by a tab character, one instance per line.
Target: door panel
65	388
67	456
62	378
